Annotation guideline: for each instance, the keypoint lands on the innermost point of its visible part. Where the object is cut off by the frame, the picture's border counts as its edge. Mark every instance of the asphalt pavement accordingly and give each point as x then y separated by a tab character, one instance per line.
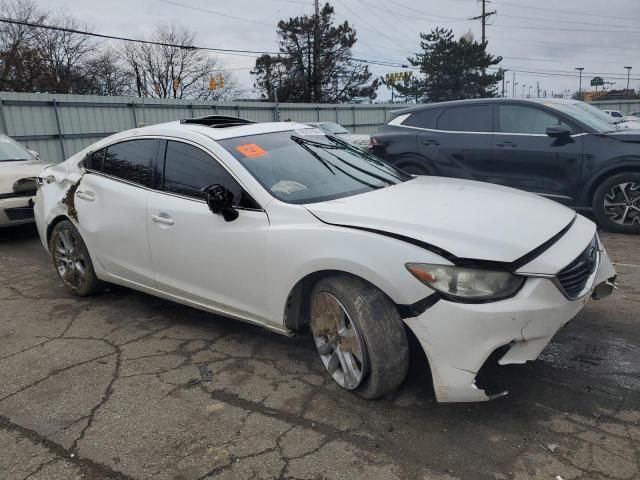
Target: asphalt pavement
123	385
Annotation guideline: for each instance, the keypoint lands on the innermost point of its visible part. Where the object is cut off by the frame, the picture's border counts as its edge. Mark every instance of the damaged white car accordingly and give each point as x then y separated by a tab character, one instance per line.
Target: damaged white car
19	168
280	225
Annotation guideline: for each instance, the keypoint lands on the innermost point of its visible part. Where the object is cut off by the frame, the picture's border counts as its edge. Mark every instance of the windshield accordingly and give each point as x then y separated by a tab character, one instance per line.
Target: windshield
302	166
11	151
587	114
333	128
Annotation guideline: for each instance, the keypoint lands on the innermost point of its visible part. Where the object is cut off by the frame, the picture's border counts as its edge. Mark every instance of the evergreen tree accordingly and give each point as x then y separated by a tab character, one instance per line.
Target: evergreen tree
453	69
315	63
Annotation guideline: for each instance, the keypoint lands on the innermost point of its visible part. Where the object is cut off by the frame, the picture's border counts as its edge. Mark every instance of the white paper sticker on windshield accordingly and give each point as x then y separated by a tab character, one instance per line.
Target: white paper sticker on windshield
309	131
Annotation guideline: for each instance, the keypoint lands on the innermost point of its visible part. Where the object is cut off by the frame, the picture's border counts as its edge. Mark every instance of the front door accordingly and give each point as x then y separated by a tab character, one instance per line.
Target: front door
528	159
111	204
461	144
197	255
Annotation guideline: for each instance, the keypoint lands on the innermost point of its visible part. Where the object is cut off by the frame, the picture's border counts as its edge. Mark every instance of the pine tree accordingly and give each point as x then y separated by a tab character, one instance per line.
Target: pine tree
315	63
453	69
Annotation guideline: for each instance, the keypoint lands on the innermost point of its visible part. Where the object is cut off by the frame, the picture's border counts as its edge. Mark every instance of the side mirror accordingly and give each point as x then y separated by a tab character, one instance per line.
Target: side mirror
220	200
557	131
34	153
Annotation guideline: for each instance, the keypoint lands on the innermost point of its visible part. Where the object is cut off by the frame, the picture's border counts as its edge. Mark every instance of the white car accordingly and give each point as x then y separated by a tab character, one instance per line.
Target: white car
356	139
19	168
614	113
279	225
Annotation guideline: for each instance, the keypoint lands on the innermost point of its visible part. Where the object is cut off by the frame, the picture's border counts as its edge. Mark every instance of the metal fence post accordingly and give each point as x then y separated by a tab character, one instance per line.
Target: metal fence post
5	127
135	117
353	108
318	113
60	134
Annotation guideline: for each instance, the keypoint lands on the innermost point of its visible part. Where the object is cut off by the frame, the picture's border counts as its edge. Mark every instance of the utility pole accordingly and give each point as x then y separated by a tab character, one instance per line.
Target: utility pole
483	18
628	74
315	88
538	88
503	72
580	69
513	84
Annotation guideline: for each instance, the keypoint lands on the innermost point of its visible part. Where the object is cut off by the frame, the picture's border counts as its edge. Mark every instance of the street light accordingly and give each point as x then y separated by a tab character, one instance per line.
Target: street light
508	82
530	87
515	85
523	85
580	69
628	74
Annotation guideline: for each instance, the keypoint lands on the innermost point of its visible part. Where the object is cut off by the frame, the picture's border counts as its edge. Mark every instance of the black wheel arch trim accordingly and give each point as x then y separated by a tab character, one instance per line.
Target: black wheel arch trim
590	186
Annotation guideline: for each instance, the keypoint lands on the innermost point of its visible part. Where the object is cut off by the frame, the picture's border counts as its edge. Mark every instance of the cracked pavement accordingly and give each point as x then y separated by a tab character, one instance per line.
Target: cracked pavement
123	385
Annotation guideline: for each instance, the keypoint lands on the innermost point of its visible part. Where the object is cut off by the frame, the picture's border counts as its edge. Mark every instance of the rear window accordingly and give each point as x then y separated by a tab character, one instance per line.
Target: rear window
472	118
132	160
423	118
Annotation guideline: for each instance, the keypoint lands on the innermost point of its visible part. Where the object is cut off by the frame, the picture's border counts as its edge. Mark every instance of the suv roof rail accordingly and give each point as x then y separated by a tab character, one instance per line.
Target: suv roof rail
217	121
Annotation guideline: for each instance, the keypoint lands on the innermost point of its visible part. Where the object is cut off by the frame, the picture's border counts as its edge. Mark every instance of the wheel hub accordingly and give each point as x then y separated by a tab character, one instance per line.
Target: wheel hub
69	260
622	203
338	342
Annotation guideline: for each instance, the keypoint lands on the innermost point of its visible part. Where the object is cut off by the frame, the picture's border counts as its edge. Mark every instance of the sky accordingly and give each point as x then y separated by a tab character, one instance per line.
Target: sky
541	41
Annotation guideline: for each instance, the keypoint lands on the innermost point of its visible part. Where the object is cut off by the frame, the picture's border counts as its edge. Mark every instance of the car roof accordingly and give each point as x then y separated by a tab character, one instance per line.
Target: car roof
458	103
176	128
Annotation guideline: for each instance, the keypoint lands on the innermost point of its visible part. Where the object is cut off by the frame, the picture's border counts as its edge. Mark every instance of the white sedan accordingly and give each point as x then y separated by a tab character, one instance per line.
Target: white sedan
280	225
19	168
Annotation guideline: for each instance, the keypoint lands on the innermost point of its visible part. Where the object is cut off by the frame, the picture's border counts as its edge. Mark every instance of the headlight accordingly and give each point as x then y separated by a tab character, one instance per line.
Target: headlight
467	284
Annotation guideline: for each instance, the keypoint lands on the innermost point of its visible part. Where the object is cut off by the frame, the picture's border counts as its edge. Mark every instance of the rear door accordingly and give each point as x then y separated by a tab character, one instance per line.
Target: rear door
197	255
525	157
111	201
461	143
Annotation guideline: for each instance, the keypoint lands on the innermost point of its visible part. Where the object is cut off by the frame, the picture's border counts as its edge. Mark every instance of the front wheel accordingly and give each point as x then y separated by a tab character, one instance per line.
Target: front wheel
359	335
616	203
72	261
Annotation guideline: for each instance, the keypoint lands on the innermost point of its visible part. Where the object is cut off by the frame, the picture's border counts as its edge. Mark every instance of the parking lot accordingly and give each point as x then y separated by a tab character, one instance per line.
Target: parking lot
124	385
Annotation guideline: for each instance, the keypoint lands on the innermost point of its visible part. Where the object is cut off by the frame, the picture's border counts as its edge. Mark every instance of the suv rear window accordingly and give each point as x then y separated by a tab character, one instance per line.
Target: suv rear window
423	118
472	118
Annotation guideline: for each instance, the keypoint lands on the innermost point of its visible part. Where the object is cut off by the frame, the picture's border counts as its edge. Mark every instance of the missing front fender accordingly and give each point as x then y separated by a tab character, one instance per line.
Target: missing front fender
69	200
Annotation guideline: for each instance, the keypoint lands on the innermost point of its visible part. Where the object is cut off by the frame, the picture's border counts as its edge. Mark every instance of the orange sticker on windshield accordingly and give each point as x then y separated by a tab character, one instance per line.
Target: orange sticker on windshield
251	150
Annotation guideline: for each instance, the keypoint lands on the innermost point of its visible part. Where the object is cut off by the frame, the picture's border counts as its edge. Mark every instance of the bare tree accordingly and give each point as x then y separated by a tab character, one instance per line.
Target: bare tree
106	75
20	61
181	71
64	54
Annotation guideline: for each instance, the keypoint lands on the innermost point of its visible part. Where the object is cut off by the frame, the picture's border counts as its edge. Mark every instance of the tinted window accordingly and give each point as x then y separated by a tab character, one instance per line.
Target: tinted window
520	119
93	161
132	160
474	118
423	118
187	170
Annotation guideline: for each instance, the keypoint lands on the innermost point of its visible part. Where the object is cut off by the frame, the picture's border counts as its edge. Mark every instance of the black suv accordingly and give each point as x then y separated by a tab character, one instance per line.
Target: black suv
561	149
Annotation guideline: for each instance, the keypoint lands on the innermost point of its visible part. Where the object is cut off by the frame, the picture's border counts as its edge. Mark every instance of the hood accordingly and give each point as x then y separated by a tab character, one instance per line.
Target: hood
628	125
354	138
468	219
629	136
11	172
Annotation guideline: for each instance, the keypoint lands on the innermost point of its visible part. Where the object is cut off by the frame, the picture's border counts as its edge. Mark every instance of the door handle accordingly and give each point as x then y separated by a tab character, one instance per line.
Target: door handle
86	195
165	220
506	144
430	142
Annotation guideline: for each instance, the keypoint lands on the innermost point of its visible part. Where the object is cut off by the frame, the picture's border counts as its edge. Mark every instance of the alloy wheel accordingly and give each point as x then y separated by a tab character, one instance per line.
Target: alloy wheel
69	258
622	203
338	341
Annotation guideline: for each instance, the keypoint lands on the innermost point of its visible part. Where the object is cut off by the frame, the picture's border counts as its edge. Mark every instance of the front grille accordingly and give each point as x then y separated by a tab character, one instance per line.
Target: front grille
19	213
574	276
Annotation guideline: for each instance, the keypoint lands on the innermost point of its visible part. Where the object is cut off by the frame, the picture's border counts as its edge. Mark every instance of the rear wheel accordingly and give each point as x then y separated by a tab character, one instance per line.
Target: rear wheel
72	261
616	203
359	335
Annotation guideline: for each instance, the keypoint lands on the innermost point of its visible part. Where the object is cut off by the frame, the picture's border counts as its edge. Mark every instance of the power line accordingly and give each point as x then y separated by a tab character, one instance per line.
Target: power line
175	45
243	19
572	13
483	18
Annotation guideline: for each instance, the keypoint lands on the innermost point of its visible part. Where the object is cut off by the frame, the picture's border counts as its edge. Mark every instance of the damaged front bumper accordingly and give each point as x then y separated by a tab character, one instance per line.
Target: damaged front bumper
459	338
